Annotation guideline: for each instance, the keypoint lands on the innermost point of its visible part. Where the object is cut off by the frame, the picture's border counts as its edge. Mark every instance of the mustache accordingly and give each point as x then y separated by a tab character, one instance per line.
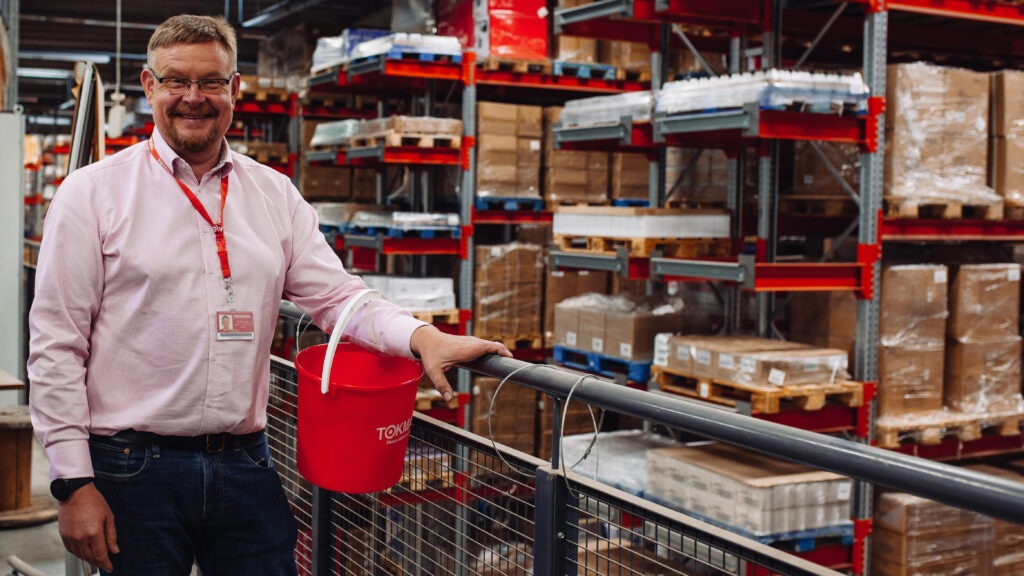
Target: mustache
199	111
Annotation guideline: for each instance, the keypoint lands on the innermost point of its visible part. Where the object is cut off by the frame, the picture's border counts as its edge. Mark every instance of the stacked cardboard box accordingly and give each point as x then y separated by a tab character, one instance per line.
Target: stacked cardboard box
1006	154
578	420
564	284
497	28
811	176
632	56
746	490
508	291
508	150
572	176
701	182
576	48
513	422
825	319
937	134
983	358
913	535
912	337
630	176
322	182
1007	546
614	326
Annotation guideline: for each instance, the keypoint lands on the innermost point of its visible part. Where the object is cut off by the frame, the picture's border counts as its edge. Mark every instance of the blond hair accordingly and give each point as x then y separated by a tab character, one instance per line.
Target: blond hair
192	29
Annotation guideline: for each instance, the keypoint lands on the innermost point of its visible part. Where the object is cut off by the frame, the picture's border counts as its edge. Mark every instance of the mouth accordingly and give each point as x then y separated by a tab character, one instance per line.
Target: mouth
194	117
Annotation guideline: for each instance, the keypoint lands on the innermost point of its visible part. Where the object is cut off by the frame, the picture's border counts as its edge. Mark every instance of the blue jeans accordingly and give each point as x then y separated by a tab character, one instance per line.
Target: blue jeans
227	512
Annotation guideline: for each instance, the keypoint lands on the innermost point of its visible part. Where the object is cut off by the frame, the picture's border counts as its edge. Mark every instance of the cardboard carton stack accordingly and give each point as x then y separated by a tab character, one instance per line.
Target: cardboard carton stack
576	48
811	176
508	291
825	319
513	422
322	182
914	535
632	56
616	326
630	176
705	184
1006	153
508	150
983	356
755	493
572	176
564	284
1007	546
936	134
912	338
577	420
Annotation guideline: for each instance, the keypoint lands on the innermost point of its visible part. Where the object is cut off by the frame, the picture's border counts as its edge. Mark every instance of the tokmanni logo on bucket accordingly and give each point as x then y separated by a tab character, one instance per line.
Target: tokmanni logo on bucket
394	432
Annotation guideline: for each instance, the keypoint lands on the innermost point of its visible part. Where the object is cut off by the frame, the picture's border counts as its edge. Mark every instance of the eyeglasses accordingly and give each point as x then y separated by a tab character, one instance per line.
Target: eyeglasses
206	85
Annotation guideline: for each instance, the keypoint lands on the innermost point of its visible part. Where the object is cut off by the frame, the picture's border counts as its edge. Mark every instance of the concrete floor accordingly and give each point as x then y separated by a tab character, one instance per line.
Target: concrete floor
39	546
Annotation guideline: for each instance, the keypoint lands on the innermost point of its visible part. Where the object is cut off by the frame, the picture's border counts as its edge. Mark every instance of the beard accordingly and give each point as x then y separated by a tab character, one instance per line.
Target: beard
192	143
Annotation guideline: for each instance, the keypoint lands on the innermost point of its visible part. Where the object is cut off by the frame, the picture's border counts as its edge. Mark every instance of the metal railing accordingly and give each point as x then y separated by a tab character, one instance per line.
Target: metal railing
467	506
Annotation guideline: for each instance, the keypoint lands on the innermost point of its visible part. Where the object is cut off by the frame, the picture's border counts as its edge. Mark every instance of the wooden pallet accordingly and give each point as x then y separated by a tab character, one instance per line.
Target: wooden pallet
493	63
916	209
633	75
518	341
392	138
823	205
763	398
429	399
642	247
437	316
930	429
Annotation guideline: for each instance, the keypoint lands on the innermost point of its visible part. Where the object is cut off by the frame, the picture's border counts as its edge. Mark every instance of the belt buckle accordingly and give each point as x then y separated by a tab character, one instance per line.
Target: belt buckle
210	449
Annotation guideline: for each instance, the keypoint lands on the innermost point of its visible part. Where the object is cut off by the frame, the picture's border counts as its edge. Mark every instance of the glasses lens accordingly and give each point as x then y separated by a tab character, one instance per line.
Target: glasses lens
175	85
213	85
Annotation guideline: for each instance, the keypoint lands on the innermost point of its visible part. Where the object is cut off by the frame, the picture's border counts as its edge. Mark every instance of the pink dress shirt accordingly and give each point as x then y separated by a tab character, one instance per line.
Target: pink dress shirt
123	327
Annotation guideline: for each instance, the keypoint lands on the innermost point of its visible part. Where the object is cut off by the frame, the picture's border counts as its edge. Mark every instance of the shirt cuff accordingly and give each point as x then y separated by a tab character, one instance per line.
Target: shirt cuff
69	459
399	335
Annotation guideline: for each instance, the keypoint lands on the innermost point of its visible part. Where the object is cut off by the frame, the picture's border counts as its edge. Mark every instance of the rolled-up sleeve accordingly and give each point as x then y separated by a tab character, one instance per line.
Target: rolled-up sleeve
319	285
68	292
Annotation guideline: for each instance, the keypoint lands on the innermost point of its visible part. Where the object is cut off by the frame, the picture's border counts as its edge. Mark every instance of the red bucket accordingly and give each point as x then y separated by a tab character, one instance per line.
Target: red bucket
353	433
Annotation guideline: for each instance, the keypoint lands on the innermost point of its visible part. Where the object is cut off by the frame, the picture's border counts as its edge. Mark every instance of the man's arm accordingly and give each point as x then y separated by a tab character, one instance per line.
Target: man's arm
439	352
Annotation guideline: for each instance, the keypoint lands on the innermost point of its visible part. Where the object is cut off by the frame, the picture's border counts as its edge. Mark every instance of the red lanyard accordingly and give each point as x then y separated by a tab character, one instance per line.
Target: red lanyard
218	227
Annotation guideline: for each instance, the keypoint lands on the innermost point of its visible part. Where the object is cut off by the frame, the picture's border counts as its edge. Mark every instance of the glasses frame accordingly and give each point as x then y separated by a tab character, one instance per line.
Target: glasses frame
198	83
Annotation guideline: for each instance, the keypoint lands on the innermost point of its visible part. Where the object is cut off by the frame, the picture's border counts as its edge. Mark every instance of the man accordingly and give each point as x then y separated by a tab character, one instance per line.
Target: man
152	423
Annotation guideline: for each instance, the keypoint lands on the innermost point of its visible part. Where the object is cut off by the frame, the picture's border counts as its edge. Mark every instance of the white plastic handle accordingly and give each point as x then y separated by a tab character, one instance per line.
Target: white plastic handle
355	302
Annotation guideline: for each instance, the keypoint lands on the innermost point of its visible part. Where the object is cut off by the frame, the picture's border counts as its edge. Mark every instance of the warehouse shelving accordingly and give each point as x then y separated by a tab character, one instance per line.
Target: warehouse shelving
381	155
637	20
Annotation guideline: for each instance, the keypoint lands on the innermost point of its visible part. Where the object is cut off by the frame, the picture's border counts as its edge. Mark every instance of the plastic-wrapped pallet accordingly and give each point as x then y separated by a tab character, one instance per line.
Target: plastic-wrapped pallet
618	459
632	56
608	109
811	177
983	354
1006	169
697	178
508	150
617	326
731	359
914	535
755	493
415	294
630	176
563	284
814	91
507	291
937	135
333	133
912	338
576	48
640	222
1007	547
403	42
334	50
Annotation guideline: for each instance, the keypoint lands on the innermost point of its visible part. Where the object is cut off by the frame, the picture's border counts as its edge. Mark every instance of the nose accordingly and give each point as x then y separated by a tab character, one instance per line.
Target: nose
193	94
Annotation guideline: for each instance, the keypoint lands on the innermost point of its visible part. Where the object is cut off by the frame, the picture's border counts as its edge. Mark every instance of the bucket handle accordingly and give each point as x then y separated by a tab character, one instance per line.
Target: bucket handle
355	302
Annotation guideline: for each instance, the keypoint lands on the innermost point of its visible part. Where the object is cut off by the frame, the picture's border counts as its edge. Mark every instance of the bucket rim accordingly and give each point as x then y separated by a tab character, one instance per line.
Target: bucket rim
310	376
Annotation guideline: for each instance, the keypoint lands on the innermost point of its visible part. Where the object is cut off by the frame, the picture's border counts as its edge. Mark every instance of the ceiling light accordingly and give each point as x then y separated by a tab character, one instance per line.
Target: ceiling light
46	73
64	56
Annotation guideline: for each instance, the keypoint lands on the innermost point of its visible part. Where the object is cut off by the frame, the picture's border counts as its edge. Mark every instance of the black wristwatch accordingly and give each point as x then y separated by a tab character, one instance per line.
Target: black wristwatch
63	488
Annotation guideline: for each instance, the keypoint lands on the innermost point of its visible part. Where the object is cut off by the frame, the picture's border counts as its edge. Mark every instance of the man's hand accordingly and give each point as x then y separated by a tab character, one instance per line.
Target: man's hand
86	526
439	351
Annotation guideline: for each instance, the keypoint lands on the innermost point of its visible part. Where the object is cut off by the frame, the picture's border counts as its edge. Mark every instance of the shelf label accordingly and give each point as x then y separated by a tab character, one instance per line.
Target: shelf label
570	338
725	361
661	349
704	357
704	389
683	352
1013	275
748	365
626	350
941	276
597	344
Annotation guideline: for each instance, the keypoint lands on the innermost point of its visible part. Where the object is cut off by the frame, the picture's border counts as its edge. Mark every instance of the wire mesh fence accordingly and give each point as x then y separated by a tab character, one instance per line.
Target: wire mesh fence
468	506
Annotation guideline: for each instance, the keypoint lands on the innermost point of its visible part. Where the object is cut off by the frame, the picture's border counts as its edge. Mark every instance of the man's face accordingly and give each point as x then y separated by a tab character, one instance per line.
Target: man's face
193	122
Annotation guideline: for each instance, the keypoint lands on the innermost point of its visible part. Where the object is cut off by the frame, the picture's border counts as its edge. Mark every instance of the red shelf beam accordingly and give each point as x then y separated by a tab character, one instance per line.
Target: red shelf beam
400	155
955	449
511	217
643	25
416	246
951	230
551	82
986	11
811	277
828	419
268	107
781	125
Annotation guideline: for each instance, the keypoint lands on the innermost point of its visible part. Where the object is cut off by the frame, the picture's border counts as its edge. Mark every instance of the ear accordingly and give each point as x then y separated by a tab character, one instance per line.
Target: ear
148	84
236	85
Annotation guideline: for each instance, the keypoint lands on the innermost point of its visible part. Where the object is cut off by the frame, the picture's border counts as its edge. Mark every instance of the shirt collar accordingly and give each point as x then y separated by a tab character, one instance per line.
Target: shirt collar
178	164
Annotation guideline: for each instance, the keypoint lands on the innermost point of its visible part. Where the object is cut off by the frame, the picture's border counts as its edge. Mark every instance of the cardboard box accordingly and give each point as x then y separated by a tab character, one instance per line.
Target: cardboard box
791	367
706	182
326	183
567	326
914	304
364	185
495	118
631	336
936	133
634	56
515	408
630	176
715	357
983	377
910	379
1006	168
1008	103
592	337
812	177
1008	540
984	302
571	175
562	284
825	320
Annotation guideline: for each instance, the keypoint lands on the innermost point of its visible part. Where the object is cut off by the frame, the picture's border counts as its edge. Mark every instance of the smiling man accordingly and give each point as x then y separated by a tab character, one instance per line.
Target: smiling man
152	407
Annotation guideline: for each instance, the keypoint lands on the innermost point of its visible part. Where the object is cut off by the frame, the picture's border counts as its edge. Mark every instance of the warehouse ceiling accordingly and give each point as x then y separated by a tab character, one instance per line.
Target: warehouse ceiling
53	34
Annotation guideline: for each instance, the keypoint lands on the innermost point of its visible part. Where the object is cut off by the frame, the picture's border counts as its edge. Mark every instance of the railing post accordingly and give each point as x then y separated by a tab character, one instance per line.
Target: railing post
320	548
554	524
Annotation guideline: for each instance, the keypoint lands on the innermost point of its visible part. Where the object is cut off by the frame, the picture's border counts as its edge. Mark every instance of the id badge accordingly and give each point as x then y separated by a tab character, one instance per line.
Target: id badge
234	325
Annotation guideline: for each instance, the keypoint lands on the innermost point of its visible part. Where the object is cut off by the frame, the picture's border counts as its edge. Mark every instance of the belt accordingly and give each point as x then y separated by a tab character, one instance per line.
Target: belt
210	443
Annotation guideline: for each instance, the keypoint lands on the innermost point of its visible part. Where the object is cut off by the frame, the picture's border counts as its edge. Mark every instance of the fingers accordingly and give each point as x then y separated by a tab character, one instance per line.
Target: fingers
111	533
98	554
440	382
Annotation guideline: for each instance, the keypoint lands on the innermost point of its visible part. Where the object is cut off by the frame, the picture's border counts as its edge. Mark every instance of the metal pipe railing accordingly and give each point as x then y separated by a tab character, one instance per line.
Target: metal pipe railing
982	493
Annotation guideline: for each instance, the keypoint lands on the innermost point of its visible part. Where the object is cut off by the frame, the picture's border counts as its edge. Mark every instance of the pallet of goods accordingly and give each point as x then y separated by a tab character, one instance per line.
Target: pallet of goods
1006	141
770	375
415	131
263	89
507	294
508	155
677	233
